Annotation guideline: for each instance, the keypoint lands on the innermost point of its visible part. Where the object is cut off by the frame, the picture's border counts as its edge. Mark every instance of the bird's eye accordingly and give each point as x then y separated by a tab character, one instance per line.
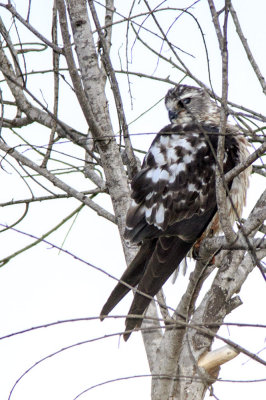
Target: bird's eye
186	101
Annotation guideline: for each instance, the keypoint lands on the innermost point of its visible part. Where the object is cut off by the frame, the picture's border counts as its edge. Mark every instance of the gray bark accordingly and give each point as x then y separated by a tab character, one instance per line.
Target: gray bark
175	349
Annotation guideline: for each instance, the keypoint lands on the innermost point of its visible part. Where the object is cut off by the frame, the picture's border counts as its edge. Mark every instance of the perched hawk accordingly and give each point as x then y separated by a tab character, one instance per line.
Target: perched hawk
173	195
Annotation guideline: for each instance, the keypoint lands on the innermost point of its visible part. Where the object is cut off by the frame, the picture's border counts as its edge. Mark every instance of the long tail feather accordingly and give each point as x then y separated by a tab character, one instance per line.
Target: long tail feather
169	252
131	276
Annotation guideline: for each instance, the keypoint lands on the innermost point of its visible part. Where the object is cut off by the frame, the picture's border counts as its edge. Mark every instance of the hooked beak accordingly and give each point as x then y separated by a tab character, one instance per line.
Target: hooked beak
173	115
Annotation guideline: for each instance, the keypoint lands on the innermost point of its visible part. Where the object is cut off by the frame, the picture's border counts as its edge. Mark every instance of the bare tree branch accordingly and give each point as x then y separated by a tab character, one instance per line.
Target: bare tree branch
221	188
13	11
178	345
57	182
247	49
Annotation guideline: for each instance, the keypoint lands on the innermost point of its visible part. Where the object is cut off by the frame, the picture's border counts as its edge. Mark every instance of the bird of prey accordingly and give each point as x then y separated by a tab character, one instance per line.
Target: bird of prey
173	195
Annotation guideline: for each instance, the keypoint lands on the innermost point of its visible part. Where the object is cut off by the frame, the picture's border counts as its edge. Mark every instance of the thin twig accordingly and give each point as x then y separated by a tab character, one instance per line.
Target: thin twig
56	86
246	48
13	11
132	163
6	259
57	182
45	198
221	194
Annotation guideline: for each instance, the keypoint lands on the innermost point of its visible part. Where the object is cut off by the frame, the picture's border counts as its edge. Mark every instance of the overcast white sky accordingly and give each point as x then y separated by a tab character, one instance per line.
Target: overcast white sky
43	285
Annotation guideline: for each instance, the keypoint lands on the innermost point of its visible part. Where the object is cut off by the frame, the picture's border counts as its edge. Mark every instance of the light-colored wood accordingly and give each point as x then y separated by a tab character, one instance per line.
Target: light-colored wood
215	358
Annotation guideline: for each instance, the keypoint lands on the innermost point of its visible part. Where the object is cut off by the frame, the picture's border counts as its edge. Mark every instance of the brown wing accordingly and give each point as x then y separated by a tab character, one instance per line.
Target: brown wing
177	181
173	201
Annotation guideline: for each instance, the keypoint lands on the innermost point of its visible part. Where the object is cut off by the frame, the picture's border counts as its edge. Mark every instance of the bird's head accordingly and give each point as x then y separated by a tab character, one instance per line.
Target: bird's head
189	104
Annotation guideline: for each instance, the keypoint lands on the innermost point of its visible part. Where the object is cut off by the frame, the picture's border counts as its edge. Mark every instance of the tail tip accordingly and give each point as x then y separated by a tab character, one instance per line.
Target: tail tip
126	336
103	314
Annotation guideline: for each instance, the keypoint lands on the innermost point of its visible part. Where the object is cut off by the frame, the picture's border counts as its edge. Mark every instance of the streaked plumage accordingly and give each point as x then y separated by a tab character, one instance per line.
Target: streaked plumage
173	195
